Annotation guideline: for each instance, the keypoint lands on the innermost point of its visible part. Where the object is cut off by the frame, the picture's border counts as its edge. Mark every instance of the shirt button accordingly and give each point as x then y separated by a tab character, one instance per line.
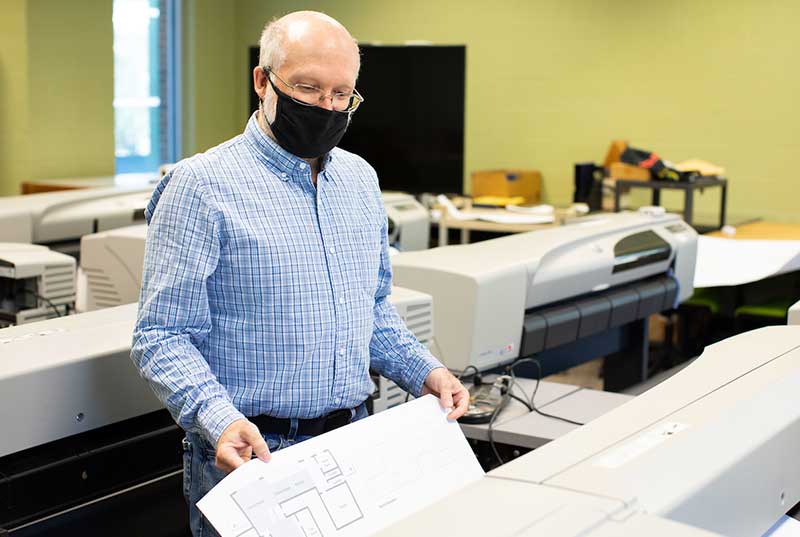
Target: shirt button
341	300
283	174
332	250
303	166
341	352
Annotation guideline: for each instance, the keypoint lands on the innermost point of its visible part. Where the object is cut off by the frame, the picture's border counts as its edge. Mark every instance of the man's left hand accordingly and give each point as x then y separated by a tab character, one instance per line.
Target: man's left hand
451	393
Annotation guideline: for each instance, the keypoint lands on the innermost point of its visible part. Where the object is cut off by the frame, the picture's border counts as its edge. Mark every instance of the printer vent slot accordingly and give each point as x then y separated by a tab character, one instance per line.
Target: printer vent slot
105	304
101	289
96	273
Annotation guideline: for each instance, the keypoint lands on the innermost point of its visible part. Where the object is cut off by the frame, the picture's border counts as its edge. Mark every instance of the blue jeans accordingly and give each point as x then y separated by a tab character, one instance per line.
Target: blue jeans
200	474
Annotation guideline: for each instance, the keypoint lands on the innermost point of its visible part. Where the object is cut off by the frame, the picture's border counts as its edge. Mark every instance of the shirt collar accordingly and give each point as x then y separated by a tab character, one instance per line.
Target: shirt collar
285	163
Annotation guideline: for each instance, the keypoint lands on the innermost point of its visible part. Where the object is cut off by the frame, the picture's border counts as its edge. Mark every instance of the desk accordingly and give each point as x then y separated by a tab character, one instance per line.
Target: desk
715	311
762	231
548	392
447	222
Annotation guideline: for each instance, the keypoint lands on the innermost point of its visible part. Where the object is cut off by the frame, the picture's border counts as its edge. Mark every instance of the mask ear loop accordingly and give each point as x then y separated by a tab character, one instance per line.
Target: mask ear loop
266	71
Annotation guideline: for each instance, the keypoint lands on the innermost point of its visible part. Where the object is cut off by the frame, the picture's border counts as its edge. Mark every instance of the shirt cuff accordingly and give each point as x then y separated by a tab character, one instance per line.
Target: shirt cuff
421	365
215	416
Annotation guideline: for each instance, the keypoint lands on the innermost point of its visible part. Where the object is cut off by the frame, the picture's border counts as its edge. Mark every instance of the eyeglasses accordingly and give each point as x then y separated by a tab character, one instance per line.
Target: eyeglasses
341	101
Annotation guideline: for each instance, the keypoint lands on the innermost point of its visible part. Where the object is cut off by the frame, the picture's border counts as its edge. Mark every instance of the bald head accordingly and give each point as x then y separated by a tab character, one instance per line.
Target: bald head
308	38
304	49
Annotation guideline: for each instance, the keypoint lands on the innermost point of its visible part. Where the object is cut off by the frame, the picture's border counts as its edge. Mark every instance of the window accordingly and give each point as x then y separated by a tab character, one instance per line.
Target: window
146	103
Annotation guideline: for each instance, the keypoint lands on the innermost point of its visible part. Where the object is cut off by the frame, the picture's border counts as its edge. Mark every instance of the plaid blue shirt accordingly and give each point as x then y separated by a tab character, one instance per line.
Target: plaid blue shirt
262	294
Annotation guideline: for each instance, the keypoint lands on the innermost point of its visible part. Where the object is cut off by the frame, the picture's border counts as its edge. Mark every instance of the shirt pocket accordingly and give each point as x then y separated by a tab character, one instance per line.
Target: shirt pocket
364	257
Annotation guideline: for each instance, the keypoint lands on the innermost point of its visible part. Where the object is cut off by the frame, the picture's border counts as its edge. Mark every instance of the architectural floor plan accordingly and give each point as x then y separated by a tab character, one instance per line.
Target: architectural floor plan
349	482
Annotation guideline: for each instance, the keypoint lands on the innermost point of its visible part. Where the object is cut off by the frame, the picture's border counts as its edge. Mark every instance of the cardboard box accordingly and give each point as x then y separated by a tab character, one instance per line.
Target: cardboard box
508	183
620	170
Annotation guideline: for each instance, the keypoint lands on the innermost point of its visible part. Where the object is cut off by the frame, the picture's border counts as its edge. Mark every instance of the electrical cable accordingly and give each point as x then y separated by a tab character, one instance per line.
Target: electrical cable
498	408
523	401
464	373
45	300
536	389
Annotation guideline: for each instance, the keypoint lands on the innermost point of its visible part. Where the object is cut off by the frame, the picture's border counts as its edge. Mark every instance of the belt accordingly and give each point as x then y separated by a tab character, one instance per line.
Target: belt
305	427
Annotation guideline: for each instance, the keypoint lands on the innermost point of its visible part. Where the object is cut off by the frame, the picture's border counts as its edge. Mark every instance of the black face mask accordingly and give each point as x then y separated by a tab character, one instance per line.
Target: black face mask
306	131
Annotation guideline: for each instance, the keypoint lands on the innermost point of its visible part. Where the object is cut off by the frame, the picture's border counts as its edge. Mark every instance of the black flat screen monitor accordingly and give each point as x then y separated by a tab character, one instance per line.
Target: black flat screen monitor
410	127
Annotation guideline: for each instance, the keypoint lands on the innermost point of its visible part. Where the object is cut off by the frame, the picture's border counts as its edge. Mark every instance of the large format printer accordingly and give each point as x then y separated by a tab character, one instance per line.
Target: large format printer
60	219
523	294
86	446
409	221
35	283
111	264
710	451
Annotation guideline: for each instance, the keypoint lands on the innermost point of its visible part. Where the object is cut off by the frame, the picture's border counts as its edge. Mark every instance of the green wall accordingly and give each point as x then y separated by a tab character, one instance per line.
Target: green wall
14	134
552	82
71	88
56	90
211	80
549	83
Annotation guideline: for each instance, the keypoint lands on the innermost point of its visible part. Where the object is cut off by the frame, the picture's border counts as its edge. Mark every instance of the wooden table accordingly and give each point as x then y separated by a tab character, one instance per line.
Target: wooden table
447	222
761	230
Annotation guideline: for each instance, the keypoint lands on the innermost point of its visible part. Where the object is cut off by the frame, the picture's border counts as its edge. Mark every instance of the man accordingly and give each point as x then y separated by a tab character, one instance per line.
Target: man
264	294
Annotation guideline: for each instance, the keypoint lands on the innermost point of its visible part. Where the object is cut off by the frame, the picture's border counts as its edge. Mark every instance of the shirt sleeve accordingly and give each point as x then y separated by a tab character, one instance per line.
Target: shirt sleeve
174	321
395	352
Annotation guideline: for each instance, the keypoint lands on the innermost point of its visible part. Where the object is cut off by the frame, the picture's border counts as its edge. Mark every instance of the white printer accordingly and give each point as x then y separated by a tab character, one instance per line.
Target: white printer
83	363
60	219
409	221
35	283
710	451
515	296
416	311
112	263
74	406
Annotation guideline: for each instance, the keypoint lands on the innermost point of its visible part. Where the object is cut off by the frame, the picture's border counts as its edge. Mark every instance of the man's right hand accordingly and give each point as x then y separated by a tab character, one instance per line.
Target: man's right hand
237	444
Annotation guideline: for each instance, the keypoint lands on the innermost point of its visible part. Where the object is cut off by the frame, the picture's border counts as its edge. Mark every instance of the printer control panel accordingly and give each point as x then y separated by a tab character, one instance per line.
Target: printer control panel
677	228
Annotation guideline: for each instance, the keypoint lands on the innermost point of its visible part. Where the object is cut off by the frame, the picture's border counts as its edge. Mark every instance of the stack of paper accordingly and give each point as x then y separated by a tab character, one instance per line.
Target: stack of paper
497	218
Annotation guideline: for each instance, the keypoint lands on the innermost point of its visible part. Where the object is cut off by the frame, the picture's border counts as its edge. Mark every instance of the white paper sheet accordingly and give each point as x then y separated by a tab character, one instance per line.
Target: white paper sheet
785	527
497	218
735	262
541	210
350	482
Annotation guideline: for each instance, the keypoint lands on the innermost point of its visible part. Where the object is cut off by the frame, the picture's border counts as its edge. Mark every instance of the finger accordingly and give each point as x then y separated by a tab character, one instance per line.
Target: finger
253	437
461	399
446	398
228	460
